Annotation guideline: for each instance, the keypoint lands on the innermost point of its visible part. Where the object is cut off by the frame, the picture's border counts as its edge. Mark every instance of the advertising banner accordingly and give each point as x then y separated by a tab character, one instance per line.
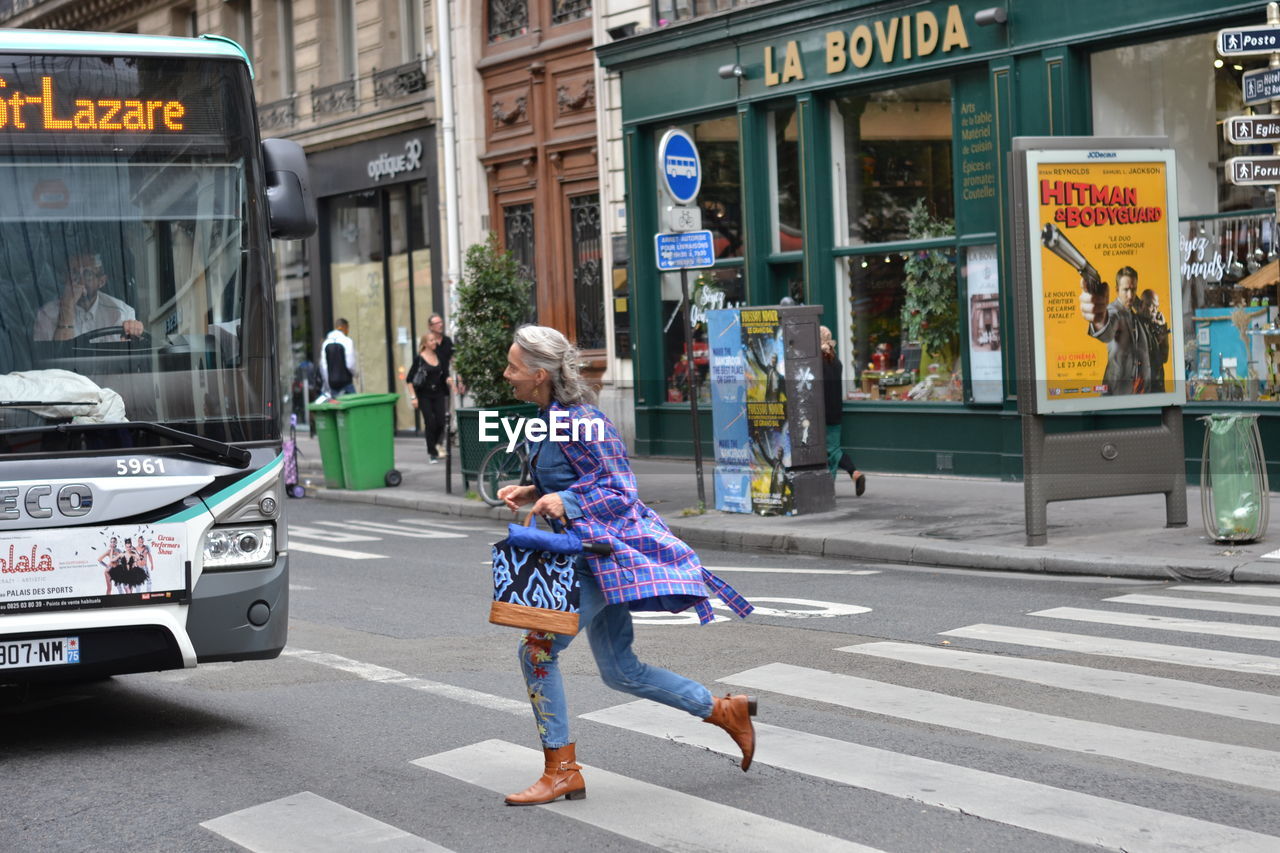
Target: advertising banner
1106	291
767	410
113	565
728	388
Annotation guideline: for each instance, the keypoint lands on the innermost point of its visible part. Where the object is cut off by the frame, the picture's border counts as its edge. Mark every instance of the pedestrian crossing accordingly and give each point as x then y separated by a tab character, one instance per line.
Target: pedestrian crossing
821	724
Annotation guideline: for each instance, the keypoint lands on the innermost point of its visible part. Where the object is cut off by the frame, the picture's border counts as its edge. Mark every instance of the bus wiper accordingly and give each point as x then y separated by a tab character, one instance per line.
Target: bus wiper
237	456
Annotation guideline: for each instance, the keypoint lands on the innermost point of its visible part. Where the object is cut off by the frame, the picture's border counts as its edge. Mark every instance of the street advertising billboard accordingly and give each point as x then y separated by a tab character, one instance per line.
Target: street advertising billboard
1105	282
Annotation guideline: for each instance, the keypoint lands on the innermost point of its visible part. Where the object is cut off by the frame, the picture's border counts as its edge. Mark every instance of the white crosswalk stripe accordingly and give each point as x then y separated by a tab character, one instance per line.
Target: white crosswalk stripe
1268	591
393	530
1078	817
307	823
1162	623
1112	648
451	524
628	807
326	551
330	536
1169	692
1228	763
1199	604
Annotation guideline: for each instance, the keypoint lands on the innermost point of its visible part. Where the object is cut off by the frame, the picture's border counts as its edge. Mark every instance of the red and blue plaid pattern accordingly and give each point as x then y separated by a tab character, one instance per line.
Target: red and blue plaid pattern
648	560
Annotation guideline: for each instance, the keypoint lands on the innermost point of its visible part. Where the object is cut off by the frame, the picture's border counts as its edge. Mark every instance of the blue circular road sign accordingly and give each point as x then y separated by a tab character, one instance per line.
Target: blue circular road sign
679	166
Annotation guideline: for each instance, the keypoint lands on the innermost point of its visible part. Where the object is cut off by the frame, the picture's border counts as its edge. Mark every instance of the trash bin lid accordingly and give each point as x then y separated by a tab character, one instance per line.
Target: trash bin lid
355	401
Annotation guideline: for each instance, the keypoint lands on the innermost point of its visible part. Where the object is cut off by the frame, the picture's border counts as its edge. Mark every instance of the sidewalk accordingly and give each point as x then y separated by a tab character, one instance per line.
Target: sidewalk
937	521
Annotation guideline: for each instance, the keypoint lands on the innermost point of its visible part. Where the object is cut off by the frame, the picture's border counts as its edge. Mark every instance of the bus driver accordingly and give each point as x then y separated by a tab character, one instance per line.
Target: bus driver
82	308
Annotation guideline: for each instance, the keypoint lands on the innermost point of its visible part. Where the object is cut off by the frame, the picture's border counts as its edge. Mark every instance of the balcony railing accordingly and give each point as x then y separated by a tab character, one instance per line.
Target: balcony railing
399	82
338	98
281	113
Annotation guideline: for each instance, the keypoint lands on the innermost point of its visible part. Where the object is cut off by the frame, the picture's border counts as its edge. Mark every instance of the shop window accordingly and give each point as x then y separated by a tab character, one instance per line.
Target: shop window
588	281
517	238
1181	89
508	19
784	189
893	149
722	286
892	168
293	325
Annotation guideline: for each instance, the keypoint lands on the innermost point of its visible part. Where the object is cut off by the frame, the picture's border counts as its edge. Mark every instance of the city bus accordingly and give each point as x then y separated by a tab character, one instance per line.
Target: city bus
141	499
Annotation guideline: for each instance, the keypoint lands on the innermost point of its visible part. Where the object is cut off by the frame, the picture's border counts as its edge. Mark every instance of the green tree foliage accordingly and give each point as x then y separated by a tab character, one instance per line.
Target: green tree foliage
493	300
930	312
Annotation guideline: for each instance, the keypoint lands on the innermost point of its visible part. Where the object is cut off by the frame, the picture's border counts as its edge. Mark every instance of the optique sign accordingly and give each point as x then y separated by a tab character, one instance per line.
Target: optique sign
679	167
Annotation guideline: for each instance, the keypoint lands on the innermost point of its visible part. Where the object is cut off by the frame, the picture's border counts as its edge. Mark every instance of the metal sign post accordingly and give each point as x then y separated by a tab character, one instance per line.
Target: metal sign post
684	248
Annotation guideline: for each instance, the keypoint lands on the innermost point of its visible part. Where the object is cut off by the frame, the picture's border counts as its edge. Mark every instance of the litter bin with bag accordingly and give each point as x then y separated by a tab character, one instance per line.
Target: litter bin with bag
1235	496
366	433
324	416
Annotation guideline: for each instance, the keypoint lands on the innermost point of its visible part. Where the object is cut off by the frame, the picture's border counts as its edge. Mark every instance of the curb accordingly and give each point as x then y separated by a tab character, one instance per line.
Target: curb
882	548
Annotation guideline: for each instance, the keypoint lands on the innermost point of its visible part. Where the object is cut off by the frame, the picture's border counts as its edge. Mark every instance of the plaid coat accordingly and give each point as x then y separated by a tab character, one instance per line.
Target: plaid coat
648	560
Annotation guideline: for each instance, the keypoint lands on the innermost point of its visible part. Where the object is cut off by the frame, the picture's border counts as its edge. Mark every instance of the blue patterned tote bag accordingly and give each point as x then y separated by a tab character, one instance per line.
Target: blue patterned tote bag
533	582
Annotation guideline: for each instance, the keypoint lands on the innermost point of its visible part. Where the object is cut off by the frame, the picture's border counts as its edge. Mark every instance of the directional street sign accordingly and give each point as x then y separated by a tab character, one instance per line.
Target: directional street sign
1248	130
1261	85
1248	171
1245	41
688	250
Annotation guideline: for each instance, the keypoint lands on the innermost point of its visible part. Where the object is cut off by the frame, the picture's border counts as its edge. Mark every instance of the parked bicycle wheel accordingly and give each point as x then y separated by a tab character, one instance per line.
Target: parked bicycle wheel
500	468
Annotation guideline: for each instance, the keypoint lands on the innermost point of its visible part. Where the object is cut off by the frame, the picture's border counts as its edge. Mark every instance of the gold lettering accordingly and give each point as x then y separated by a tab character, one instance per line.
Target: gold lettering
836	58
887	41
51	123
770	75
926	33
791	67
4	111
906	36
152	106
16	102
174	110
134	118
860	46
954	36
84	118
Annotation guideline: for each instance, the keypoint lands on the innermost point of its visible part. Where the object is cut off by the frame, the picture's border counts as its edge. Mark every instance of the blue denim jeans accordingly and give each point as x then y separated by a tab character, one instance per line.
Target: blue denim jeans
610	634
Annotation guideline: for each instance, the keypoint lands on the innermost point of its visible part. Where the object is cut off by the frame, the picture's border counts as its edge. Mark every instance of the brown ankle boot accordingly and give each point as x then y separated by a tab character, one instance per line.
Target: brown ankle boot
733	714
561	778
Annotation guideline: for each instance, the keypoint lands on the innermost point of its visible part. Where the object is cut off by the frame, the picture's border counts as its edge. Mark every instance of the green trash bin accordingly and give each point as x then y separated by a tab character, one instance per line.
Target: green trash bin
325	417
366	432
1235	495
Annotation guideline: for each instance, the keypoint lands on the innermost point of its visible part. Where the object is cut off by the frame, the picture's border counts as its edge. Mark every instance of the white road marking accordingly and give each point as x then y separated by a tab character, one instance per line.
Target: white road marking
651	814
341	553
384	675
1265	591
1082	818
393	530
308	823
1240	765
770	571
1108	647
329	535
1198	604
1169	692
447	525
1162	623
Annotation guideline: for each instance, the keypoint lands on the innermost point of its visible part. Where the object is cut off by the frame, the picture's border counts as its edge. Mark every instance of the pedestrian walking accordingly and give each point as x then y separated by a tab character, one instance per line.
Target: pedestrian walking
833	400
338	366
428	382
588	486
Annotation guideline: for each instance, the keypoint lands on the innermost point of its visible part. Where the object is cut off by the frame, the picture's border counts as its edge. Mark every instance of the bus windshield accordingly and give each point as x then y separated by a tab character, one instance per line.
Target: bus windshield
130	289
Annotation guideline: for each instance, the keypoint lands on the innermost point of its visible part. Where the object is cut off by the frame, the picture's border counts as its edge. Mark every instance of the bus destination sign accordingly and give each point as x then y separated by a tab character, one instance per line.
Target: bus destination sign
46	112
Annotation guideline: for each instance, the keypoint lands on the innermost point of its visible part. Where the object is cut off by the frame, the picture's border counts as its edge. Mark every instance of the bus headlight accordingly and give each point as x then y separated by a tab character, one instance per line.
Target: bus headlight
240	547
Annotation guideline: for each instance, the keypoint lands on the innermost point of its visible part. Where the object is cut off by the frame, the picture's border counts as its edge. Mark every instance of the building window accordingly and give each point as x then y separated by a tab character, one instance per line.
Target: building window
784	180
508	19
410	29
345	18
669	11
588	281
892	153
563	11
284	23
1228	239
517	237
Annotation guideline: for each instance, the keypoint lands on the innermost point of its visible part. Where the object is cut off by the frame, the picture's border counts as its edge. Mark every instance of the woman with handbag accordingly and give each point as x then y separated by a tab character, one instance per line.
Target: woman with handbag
585	482
429	385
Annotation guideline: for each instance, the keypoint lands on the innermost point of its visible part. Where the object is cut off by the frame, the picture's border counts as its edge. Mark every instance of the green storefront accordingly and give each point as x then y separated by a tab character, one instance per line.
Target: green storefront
848	146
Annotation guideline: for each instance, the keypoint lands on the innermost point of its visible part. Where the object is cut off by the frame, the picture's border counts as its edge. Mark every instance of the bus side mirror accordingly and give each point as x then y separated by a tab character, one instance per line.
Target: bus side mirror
289	200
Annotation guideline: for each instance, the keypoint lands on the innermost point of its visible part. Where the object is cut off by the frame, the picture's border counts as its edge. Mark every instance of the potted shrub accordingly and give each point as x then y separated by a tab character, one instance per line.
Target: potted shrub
493	300
930	312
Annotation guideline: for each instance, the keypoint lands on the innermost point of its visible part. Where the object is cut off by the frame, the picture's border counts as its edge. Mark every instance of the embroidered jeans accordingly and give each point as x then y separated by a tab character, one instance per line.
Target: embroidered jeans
610	633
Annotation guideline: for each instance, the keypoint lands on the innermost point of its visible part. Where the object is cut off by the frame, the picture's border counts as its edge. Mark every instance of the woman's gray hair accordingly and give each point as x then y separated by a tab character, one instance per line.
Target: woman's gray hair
546	348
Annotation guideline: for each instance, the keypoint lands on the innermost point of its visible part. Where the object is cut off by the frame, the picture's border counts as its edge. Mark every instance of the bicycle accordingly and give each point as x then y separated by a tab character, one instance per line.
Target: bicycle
501	467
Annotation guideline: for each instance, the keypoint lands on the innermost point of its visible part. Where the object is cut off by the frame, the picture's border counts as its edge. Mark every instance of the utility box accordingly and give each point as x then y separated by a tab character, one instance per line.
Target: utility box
767	410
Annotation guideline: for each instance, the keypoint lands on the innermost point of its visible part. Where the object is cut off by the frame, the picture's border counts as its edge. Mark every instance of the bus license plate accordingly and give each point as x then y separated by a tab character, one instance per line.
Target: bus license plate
51	651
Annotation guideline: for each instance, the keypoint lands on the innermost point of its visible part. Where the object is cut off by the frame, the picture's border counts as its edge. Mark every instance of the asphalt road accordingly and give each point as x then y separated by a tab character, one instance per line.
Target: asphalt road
901	709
